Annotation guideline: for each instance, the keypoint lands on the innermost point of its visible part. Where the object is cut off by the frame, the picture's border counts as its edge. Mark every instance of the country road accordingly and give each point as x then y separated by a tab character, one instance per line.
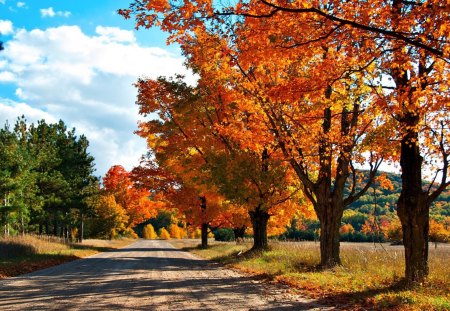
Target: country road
146	275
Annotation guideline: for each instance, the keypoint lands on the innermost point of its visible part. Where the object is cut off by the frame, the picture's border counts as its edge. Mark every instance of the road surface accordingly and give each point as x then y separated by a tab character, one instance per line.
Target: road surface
146	275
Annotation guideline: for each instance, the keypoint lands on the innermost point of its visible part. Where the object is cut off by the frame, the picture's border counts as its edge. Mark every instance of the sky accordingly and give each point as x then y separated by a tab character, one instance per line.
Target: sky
76	61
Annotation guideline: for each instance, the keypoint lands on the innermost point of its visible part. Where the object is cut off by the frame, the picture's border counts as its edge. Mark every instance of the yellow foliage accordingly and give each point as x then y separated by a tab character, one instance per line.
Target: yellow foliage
149	232
175	232
195	234
164	234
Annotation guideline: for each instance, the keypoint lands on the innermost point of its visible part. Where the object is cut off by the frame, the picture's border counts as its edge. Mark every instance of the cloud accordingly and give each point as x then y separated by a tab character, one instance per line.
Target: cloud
87	81
6	27
21	4
115	34
6	76
50	12
11	110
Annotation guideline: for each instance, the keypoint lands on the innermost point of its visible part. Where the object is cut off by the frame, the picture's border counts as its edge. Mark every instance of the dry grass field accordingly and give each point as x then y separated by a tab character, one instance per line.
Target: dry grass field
23	254
370	276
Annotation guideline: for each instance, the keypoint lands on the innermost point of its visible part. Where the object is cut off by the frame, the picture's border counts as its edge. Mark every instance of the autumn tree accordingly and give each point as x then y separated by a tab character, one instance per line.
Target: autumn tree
195	124
134	200
407	41
149	232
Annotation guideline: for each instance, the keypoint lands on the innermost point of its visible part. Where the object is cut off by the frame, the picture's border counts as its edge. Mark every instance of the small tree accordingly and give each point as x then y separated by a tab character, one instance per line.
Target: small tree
164	234
149	232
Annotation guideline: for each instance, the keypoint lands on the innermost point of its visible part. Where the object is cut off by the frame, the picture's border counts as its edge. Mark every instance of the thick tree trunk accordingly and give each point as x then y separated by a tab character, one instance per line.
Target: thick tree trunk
330	216
259	219
413	211
204	235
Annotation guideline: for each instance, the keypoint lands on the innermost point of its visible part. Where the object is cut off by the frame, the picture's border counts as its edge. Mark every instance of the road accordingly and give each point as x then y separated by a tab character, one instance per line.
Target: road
146	275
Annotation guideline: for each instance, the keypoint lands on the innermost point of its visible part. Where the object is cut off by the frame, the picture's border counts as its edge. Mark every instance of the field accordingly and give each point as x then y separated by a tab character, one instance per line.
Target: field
23	254
370	276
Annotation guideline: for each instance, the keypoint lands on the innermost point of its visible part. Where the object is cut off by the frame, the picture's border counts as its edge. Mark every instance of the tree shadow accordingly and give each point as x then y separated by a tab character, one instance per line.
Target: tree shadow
361	300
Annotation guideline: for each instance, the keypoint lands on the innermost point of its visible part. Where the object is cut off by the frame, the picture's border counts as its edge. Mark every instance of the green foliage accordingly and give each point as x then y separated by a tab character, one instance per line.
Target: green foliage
44	172
223	234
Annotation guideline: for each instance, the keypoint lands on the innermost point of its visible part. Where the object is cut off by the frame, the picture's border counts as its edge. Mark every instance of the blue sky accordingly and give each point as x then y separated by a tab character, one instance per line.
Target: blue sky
76	60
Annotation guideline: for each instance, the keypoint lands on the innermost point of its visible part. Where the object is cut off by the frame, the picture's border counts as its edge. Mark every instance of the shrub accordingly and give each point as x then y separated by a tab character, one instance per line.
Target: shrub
175	231
223	234
149	232
164	234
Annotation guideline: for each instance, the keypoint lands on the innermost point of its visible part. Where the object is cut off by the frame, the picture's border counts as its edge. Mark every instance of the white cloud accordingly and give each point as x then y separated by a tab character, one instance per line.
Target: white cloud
87	82
6	27
2	1
11	110
6	76
21	4
115	34
50	12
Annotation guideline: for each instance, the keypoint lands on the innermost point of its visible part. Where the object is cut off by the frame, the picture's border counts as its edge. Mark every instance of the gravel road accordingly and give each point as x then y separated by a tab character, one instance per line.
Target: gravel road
146	275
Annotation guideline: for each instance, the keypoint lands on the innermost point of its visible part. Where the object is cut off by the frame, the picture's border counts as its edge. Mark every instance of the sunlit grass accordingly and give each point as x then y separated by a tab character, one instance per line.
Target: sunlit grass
370	275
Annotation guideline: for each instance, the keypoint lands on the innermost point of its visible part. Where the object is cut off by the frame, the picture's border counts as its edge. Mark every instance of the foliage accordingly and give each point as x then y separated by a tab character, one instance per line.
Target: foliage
164	234
112	217
224	234
149	232
45	174
176	232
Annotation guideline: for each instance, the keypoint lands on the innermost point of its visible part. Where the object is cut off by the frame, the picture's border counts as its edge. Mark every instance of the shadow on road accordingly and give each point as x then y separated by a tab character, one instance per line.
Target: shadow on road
141	279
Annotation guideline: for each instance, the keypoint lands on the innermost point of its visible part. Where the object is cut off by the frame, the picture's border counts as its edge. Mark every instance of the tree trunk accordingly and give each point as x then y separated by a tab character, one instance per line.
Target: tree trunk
204	235
330	216
259	220
81	230
239	233
413	211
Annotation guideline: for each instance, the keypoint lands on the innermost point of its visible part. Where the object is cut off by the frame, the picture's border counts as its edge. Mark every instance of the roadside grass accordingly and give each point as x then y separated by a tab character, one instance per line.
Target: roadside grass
370	277
24	254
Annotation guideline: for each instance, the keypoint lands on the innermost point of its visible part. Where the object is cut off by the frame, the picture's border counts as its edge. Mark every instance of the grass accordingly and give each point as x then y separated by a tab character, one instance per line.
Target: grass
24	254
370	276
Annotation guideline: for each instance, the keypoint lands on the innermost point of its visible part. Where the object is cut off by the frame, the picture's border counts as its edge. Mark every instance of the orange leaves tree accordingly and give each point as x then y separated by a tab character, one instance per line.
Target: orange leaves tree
135	201
322	44
189	140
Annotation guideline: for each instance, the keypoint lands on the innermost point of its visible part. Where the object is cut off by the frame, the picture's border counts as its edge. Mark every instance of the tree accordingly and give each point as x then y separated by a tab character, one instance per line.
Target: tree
112	216
188	142
149	232
407	41
164	234
135	201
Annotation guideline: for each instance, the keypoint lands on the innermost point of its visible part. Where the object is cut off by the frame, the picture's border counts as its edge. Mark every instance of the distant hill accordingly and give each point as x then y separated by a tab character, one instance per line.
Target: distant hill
385	200
373	217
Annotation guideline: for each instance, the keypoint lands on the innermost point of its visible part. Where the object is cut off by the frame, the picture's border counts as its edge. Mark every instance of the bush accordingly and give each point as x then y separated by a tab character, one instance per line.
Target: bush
164	234
224	234
175	232
149	232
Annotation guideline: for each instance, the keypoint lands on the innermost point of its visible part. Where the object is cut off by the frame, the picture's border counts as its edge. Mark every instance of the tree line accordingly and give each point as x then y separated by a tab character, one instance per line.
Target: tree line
46	174
295	95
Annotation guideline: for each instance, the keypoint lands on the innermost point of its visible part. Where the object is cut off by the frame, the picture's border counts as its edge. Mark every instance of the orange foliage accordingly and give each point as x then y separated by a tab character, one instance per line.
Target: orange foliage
135	201
346	228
